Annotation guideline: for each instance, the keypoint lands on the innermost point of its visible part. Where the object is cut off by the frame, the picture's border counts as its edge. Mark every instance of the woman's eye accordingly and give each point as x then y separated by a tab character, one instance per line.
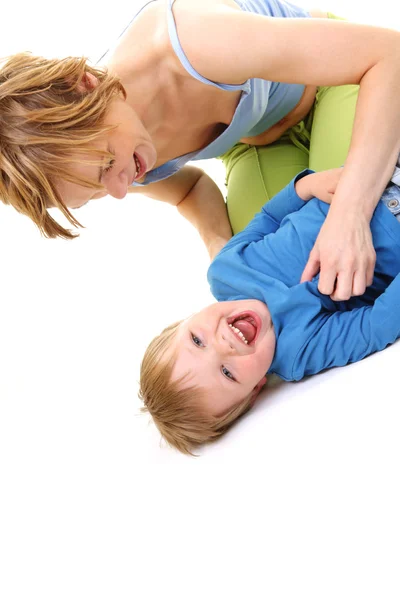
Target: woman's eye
197	341
109	166
227	373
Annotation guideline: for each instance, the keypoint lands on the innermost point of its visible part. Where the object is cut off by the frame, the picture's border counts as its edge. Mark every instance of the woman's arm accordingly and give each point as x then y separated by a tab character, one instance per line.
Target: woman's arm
316	52
199	200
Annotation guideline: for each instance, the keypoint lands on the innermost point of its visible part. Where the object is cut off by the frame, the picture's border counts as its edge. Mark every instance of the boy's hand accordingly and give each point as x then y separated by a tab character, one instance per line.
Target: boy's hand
320	185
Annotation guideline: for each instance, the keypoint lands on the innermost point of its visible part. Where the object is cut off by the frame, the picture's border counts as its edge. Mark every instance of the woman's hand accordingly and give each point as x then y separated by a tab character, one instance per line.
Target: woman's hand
343	254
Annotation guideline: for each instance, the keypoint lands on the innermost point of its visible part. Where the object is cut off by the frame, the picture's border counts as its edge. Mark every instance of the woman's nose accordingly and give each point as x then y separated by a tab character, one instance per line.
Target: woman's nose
117	185
117	191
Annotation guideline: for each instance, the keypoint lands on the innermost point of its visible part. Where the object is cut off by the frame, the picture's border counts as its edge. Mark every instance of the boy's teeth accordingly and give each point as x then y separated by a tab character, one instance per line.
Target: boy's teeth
238	332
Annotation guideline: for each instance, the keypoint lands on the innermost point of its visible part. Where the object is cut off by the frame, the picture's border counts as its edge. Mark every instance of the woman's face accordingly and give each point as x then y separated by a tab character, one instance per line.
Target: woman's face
133	151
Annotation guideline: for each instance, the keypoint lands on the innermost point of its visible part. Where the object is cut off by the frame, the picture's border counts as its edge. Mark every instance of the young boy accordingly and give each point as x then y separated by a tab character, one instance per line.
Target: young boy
201	374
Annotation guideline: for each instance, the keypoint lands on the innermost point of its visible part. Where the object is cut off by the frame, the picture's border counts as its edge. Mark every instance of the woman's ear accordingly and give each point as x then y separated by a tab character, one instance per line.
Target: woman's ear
88	83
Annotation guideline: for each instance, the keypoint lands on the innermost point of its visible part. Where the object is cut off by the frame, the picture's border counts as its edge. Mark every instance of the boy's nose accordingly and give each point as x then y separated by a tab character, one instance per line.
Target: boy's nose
224	346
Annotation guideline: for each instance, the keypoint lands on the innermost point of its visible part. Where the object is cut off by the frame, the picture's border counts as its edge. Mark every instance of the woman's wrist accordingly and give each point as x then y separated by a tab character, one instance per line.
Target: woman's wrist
357	202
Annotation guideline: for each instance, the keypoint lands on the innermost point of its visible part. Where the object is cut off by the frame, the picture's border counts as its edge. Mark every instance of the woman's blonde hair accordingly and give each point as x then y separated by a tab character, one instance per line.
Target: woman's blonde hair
177	411
48	116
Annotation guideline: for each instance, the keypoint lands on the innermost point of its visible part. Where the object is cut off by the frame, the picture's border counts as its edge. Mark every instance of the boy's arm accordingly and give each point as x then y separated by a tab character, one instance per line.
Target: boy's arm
349	336
321	185
269	219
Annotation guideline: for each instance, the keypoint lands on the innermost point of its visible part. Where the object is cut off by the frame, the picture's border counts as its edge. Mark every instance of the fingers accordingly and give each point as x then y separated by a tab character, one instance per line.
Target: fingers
359	283
370	268
328	280
346	286
311	269
341	284
349	283
346	264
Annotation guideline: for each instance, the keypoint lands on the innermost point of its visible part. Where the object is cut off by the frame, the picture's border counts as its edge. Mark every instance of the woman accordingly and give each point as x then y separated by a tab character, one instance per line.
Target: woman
196	79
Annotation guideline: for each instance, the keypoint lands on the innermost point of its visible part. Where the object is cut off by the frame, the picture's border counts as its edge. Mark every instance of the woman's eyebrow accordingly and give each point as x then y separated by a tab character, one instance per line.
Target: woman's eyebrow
101	167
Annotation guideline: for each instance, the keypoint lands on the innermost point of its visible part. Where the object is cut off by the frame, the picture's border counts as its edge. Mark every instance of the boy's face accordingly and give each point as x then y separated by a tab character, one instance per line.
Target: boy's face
212	352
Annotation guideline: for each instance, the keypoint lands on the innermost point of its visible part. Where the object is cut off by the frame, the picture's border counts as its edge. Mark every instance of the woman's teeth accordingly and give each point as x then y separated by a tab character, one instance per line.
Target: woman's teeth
137	163
239	333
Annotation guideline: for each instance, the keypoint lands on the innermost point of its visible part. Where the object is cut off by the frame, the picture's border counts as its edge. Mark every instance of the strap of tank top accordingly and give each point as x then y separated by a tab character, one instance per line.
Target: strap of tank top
122	32
173	35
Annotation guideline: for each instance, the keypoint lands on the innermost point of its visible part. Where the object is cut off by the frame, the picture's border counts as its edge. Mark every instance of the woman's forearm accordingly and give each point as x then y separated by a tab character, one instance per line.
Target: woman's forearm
375	143
205	209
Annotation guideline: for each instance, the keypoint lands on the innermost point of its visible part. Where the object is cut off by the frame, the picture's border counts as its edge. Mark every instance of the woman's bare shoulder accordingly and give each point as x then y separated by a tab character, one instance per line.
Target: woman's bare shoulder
205	4
147	31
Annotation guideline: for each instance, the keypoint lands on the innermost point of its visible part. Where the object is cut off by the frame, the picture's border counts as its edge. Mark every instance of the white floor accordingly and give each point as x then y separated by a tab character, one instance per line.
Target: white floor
300	500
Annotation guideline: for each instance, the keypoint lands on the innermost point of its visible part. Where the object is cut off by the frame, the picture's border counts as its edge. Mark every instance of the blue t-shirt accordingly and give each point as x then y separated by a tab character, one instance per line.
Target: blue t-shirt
262	103
265	262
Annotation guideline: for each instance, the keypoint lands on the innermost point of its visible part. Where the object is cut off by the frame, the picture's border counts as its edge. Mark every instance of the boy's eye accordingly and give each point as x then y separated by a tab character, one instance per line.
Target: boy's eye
197	341
227	373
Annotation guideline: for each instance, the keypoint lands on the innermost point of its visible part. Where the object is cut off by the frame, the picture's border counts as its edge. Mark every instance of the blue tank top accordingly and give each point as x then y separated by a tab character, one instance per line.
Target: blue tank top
262	103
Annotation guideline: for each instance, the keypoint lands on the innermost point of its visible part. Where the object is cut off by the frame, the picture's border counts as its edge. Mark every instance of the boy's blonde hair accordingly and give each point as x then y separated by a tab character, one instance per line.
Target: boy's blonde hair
48	118
177	411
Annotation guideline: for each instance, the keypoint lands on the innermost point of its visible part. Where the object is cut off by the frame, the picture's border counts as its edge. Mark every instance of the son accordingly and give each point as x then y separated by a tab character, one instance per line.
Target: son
199	375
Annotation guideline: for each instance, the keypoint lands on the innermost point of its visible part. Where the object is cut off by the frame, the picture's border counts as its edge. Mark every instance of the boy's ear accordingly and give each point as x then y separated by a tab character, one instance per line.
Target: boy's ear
257	389
88	83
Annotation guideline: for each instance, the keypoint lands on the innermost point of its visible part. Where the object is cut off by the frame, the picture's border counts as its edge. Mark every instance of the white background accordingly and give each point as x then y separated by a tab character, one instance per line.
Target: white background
300	500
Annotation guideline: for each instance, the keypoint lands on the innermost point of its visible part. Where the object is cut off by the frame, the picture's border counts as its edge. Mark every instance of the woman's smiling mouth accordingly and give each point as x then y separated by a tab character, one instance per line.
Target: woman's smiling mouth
140	166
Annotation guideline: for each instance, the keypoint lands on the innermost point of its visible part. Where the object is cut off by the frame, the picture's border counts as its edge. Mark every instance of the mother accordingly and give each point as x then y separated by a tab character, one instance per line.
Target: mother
199	76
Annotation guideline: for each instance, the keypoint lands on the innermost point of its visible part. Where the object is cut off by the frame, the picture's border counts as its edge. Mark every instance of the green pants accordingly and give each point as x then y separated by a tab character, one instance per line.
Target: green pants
254	174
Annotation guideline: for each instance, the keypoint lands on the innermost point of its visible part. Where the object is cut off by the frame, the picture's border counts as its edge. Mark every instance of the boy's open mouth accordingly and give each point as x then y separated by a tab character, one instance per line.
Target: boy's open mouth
246	326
